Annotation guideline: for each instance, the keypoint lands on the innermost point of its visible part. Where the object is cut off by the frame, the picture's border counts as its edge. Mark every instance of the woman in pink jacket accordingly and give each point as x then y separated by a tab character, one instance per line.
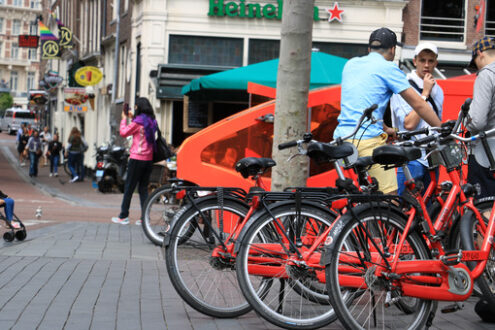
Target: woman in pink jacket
142	128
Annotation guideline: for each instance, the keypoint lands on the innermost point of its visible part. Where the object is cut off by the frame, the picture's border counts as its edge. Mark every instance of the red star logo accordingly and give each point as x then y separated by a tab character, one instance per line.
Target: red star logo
335	13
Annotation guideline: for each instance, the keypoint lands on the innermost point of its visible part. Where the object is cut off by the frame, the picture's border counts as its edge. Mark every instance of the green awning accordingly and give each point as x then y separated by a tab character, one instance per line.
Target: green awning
326	70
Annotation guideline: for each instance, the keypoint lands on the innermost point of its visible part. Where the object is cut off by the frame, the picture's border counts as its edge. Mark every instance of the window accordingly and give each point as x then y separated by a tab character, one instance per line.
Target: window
261	50
490	19
2	2
33	54
114	9
122	65
13	80
17	3
1	49
33	29
205	50
442	20
30	80
126	5
16	27
1	24
14	51
34	4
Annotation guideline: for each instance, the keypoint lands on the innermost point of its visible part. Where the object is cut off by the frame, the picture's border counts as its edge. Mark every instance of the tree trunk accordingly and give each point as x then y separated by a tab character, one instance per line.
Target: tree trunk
292	92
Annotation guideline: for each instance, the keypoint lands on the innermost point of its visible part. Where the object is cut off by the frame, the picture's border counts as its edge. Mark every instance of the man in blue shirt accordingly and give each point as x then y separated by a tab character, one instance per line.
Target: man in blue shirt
372	79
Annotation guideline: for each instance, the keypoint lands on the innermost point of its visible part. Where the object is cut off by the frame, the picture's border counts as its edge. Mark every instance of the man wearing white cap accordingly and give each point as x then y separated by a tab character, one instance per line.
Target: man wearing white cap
403	116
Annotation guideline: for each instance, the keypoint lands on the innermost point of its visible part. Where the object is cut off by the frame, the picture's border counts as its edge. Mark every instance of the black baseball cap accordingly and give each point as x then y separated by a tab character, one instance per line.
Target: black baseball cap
386	37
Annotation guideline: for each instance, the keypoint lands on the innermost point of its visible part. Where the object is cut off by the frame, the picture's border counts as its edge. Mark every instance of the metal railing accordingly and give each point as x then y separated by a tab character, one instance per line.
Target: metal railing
442	28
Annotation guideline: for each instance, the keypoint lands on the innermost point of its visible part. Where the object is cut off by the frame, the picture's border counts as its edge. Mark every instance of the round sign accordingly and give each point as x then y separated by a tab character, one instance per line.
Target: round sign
88	76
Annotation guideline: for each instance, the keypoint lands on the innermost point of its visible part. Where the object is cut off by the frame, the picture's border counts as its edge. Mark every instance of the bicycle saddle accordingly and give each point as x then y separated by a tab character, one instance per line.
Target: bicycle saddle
395	155
324	152
253	165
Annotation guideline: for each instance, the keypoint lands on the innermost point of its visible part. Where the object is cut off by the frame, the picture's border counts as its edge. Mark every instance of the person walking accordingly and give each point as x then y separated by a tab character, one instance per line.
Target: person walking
54	148
403	116
34	149
372	79
482	110
46	137
8	204
21	146
143	129
73	152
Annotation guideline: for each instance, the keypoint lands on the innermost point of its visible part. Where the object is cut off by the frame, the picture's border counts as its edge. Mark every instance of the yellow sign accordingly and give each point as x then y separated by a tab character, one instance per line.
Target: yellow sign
65	37
50	50
88	76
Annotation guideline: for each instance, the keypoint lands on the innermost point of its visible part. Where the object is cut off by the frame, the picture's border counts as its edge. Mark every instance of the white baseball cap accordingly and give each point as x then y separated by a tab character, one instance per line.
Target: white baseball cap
425	45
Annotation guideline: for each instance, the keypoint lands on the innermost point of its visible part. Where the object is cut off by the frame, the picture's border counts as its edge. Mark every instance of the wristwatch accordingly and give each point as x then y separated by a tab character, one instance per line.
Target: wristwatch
424	97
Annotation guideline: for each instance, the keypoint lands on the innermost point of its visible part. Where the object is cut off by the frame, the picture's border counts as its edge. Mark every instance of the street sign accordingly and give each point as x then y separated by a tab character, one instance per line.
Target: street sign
88	76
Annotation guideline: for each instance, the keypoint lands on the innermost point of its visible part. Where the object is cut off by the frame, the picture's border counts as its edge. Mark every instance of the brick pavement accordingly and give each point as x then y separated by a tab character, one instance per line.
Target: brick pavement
97	275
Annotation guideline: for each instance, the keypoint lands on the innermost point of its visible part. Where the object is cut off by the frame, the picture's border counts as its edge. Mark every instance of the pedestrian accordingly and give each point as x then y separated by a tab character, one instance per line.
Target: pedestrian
20	131
403	116
21	146
372	79
34	149
30	130
54	148
46	137
73	152
142	128
8	204
482	110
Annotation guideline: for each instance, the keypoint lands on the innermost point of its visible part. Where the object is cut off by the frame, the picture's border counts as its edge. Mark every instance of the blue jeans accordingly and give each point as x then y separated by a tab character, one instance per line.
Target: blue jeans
54	159
9	208
74	163
138	172
33	166
418	171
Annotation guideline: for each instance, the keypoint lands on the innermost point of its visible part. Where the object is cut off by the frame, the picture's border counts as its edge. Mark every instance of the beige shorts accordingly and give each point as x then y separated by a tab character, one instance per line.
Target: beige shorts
387	179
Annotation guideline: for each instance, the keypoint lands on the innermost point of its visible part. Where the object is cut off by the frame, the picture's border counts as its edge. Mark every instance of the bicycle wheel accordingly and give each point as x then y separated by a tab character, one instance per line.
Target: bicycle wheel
297	300
159	209
375	302
206	281
473	240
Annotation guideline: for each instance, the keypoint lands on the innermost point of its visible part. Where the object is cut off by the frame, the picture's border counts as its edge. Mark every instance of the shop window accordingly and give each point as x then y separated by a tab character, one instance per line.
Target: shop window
490	18
261	50
341	49
205	50
16	27
256	141
442	20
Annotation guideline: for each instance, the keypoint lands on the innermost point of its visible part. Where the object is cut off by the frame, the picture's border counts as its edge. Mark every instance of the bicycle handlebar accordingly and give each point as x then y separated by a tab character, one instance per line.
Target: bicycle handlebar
286	145
405	135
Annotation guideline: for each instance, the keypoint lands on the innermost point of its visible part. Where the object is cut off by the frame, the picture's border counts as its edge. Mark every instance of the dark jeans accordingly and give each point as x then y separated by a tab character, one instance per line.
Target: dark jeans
138	173
482	176
33	166
9	208
75	163
54	159
418	171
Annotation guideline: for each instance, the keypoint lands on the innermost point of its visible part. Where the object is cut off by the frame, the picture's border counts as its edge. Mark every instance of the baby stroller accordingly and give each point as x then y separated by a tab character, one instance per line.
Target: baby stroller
11	233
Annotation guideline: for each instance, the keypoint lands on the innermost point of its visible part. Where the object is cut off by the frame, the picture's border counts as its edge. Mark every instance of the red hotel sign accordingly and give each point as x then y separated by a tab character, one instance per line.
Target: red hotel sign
28	41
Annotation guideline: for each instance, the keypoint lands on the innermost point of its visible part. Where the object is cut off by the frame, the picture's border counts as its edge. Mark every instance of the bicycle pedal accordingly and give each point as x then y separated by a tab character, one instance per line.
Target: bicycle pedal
452	308
452	259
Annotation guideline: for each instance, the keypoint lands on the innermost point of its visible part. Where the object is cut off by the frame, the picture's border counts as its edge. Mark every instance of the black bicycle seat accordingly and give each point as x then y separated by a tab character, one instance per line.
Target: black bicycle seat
395	155
320	151
250	166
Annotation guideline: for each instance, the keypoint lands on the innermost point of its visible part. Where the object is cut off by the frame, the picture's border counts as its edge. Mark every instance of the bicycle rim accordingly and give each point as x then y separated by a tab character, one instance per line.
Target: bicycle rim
206	283
292	301
376	304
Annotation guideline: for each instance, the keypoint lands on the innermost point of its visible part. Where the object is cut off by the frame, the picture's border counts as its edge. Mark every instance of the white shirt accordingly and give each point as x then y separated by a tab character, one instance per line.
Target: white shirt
400	109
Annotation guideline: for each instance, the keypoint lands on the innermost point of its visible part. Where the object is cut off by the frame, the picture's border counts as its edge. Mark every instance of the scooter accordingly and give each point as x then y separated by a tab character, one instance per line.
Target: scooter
111	167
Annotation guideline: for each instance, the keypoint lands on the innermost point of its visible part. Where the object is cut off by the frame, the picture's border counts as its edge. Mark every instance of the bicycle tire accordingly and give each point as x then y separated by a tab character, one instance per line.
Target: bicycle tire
206	283
159	208
352	309
298	308
472	240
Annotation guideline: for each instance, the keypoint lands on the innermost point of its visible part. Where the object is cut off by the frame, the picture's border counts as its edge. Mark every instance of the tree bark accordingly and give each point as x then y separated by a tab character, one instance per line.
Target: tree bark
292	92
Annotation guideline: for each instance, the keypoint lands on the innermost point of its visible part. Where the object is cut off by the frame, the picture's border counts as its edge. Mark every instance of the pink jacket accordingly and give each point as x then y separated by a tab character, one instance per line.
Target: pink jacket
140	149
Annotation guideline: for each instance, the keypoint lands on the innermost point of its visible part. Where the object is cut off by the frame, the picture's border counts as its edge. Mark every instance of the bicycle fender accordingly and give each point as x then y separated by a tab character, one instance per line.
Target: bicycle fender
189	206
273	206
343	221
465	233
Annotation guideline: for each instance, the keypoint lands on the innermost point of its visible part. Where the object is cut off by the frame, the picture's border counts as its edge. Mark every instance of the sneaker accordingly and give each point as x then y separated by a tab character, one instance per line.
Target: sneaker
51	174
23	164
15	225
138	222
74	179
124	221
55	174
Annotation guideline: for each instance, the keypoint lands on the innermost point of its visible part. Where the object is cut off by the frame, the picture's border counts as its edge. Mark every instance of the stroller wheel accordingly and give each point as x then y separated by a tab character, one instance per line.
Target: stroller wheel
20	235
8	236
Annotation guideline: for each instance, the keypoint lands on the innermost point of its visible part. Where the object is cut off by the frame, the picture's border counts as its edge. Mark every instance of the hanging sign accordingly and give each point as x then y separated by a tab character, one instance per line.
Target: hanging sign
28	41
50	48
75	100
88	76
335	13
